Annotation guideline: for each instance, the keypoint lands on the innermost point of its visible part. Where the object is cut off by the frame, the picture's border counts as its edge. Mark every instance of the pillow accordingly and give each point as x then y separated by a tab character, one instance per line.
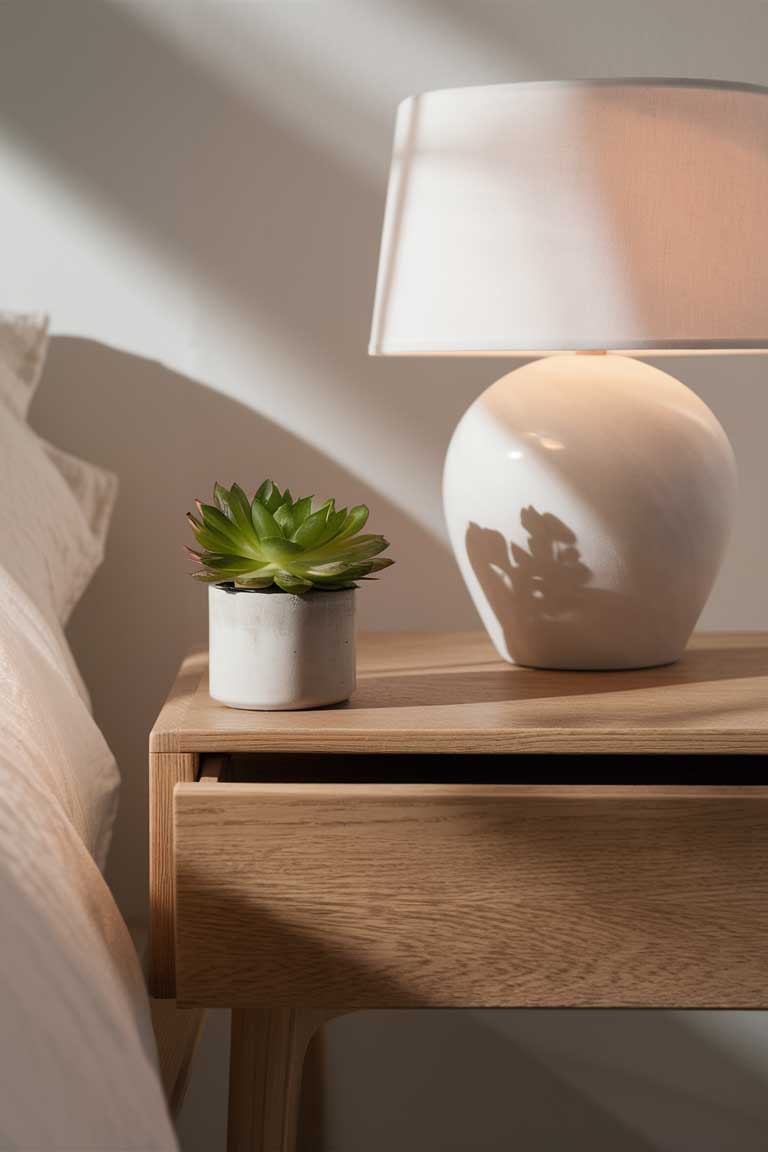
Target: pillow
46	542
55	509
46	732
23	347
94	489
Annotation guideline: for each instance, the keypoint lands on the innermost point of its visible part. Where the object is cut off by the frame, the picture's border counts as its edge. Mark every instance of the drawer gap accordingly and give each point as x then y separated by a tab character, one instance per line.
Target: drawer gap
383	768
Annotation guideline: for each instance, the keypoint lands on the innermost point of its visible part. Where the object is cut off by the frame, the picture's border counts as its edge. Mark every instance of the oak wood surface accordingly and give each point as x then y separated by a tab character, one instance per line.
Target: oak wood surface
177	1033
166	769
389	895
267	1050
362	896
431	692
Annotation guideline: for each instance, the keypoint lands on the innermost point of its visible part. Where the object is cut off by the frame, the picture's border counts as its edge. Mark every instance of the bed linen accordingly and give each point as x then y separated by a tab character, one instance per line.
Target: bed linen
78	1068
77	1056
55	509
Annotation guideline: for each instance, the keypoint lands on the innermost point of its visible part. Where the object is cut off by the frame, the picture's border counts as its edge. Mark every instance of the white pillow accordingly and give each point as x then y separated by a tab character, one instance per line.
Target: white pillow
55	510
23	348
46	732
94	488
46	542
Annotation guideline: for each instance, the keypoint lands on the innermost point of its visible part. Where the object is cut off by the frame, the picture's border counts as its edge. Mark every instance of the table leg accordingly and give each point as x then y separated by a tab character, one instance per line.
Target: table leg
177	1034
267	1053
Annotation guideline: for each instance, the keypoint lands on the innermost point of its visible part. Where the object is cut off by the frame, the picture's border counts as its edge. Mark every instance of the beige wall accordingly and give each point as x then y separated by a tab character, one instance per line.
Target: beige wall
195	192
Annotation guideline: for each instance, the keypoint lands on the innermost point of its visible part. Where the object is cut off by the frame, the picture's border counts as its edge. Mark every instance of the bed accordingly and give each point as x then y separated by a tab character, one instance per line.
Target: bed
78	1061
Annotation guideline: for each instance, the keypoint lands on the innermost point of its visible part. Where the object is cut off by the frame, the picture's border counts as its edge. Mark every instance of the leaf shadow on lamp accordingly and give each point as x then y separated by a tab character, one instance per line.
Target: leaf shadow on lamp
545	587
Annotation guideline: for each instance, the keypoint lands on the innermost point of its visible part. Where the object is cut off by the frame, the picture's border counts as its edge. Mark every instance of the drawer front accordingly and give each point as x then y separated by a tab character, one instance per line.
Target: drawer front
378	896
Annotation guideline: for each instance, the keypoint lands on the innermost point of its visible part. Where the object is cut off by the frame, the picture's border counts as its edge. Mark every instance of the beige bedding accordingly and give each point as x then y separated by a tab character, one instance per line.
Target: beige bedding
77	1059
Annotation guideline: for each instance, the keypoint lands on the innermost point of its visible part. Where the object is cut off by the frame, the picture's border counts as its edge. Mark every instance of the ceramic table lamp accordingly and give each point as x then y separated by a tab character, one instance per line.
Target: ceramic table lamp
588	494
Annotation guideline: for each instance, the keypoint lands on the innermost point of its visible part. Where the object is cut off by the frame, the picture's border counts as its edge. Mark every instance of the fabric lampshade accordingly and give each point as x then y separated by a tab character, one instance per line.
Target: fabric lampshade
528	218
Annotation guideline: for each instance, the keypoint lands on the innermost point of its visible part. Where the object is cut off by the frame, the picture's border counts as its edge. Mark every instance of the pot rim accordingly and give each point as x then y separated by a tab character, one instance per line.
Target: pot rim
229	588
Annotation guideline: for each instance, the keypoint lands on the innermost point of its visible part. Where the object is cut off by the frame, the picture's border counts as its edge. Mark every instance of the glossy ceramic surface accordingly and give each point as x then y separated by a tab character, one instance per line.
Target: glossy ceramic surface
589	500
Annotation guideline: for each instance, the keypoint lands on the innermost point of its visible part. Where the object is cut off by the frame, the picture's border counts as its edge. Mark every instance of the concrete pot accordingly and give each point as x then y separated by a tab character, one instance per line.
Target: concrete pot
272	651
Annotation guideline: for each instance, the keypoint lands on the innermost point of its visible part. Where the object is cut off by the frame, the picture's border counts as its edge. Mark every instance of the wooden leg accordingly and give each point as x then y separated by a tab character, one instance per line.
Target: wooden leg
266	1060
177	1032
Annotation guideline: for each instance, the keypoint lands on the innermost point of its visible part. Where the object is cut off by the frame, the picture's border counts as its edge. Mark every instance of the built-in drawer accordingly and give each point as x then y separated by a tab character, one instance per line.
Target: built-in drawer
350	895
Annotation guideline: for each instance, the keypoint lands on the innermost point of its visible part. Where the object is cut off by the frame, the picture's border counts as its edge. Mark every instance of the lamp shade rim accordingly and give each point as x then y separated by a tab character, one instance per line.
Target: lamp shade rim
602	82
638	348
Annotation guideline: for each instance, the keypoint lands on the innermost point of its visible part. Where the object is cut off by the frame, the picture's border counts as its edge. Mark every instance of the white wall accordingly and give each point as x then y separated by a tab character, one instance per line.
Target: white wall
195	192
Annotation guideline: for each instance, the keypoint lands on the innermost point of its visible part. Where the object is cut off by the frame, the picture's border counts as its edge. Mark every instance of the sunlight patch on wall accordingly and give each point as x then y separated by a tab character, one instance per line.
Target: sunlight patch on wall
65	251
343	91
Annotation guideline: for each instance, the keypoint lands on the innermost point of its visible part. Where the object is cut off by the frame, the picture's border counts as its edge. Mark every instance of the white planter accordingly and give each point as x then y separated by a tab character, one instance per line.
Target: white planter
273	651
589	501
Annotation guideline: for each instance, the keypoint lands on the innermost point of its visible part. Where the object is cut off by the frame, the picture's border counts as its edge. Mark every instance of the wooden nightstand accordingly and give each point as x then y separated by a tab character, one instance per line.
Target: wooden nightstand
306	864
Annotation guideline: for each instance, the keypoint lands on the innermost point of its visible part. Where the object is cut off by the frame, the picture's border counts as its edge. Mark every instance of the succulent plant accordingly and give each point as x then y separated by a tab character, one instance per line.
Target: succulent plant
274	539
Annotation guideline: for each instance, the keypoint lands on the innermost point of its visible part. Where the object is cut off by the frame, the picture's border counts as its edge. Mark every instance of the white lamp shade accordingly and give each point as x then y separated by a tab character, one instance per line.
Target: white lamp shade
542	217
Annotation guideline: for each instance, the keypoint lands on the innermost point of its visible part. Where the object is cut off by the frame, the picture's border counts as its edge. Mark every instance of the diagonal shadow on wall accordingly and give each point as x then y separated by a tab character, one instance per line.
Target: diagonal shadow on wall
168	438
260	217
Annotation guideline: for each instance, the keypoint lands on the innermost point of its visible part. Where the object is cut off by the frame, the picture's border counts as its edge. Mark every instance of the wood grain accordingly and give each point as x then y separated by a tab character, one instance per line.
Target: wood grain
363	896
165	771
267	1051
177	1033
398	895
432	693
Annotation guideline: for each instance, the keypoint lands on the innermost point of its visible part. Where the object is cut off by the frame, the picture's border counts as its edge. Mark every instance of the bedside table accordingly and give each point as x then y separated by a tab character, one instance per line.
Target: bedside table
433	843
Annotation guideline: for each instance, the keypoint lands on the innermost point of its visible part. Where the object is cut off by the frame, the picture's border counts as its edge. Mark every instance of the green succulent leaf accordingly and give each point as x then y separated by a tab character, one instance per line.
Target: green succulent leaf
213	518
254	581
301	509
276	541
284	519
234	565
332	525
290	583
335	568
219	524
351	550
221	496
240	507
308	533
263	520
269	495
278	549
213	542
355	521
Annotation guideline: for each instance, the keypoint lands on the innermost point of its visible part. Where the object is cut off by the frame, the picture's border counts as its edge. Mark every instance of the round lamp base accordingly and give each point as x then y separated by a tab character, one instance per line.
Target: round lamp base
589	501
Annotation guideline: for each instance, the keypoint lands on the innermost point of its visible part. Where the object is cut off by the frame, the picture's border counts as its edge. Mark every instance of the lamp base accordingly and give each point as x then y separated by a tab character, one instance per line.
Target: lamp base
589	500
